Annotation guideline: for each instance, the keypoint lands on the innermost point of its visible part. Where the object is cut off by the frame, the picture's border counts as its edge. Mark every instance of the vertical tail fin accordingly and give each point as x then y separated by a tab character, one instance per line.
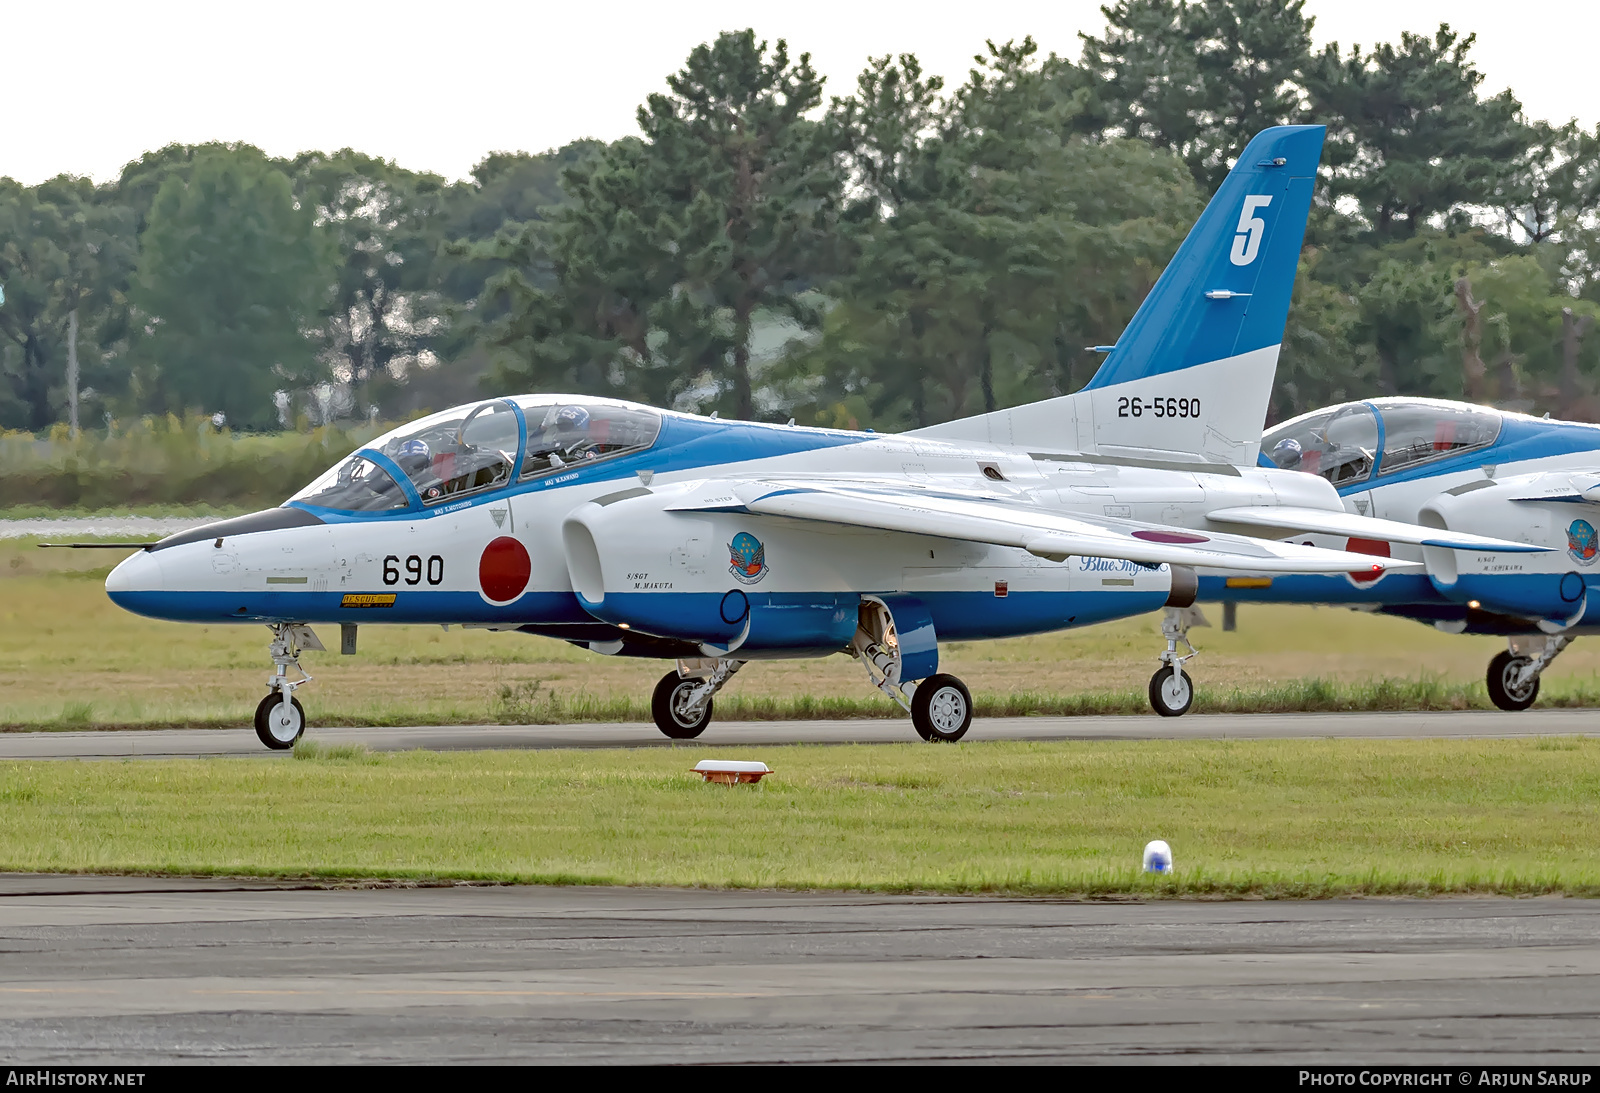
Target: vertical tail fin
1191	375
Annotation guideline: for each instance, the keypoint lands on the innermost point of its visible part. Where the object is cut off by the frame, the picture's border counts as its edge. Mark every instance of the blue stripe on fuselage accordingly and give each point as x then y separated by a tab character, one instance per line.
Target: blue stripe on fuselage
957	615
1391	588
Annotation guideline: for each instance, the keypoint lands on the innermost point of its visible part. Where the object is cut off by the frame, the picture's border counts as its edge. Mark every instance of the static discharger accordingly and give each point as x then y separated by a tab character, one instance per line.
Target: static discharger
730	772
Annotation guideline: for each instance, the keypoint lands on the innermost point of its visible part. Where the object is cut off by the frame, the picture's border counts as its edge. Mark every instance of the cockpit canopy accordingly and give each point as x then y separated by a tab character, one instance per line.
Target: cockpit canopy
471	449
1342	443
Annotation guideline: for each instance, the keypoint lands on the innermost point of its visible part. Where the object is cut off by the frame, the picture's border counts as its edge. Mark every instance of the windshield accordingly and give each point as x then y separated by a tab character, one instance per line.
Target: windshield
470	449
1417	432
564	434
356	485
458	452
1339	444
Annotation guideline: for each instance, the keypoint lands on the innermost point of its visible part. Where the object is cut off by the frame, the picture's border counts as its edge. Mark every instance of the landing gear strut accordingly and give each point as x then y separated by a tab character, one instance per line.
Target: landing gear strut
1513	677
681	704
280	719
1171	688
940	705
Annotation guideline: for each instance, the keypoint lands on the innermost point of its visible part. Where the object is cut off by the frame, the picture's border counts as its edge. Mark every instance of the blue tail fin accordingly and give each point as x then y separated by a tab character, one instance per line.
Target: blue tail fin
1191	376
1227	290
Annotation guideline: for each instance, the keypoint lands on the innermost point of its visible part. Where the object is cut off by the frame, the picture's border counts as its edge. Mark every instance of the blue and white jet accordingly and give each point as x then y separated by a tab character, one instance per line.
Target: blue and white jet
635	531
1456	467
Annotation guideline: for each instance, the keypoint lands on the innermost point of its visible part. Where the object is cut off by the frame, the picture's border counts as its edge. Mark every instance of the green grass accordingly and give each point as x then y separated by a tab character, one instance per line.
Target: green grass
1307	818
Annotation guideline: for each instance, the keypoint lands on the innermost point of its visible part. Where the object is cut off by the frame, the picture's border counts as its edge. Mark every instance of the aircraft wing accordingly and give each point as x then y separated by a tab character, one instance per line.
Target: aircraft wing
1004	522
1363	527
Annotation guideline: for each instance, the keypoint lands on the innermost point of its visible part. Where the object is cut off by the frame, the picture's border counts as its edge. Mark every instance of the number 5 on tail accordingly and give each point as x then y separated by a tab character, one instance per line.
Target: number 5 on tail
1251	230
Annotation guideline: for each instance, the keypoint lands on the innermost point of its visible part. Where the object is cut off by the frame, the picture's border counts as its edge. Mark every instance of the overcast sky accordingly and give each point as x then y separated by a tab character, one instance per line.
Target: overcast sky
89	86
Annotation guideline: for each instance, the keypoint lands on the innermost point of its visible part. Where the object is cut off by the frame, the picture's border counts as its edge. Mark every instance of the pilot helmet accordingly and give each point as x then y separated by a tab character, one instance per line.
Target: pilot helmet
413	454
1287	452
567	419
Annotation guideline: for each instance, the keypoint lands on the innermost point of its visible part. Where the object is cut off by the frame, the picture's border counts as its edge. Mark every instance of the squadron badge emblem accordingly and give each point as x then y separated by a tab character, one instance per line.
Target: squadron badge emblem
1583	544
747	558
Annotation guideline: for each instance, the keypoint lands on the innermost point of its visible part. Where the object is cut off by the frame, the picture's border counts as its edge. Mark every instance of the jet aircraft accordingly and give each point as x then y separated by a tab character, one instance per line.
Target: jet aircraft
1457	467
634	531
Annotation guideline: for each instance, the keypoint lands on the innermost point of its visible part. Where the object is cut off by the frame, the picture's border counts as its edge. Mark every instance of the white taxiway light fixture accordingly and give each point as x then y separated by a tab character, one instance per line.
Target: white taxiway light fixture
1157	857
728	772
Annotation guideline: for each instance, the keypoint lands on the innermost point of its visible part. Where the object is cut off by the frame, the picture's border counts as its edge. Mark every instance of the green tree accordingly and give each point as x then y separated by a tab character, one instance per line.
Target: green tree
988	243
1325	358
386	225
233	274
506	191
576	301
1198	78
1409	137
755	188
674	242
64	260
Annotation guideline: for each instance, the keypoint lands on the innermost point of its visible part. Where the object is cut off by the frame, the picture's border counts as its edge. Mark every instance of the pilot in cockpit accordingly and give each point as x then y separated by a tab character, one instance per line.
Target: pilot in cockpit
1286	454
415	458
564	436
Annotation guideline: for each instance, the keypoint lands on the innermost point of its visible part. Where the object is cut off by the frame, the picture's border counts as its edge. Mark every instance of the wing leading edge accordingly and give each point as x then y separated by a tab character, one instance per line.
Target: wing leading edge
1000	522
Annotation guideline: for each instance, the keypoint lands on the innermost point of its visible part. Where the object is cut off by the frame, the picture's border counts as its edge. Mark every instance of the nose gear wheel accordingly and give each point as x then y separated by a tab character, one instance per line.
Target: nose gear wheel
278	725
280	719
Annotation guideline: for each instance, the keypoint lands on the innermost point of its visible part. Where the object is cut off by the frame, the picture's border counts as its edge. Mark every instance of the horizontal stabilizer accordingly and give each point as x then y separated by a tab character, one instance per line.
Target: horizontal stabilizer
1327	522
1047	534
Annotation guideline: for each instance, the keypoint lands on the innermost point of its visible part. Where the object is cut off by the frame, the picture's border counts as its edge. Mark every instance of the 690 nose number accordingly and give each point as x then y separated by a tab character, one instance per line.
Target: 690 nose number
414	569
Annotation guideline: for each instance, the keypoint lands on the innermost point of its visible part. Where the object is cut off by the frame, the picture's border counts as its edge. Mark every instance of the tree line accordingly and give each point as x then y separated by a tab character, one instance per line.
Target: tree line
892	257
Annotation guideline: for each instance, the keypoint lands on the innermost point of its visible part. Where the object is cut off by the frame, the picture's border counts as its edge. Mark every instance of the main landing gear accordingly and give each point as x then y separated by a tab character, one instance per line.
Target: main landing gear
1513	677
940	705
1171	688
681	704
280	719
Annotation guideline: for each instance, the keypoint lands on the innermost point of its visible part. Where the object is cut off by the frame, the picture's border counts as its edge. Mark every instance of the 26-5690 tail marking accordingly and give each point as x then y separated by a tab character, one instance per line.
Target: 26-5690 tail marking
1168	406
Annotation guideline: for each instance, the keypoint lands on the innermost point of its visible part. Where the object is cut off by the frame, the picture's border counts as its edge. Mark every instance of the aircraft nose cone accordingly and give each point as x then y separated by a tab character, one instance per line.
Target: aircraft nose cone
138	572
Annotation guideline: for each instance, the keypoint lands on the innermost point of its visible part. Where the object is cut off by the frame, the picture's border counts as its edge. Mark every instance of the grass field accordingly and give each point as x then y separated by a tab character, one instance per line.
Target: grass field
69	658
1264	818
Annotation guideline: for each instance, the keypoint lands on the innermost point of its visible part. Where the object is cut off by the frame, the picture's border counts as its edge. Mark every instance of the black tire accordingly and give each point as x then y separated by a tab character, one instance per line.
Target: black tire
1500	691
274	733
941	709
1171	692
665	708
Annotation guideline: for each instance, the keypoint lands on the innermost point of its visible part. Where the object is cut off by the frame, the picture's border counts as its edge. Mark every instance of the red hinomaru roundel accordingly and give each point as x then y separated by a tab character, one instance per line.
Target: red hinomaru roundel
504	569
1378	549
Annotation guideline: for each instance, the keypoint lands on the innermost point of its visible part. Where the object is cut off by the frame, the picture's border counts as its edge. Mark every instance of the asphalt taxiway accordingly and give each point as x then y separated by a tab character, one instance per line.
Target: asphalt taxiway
174	743
124	971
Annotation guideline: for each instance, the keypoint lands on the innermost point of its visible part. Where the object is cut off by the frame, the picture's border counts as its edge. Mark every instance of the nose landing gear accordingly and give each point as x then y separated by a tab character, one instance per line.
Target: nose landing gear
280	719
